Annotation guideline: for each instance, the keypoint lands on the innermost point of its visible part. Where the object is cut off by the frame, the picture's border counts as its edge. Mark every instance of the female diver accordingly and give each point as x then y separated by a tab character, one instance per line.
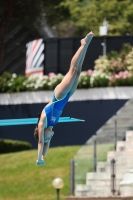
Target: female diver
63	91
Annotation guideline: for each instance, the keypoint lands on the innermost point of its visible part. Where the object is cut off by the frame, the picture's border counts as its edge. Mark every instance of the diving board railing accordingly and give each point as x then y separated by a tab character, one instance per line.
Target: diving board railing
26	121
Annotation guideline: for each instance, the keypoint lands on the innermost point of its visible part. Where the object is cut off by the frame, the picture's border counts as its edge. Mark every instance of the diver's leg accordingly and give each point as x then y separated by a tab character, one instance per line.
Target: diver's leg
74	71
75	84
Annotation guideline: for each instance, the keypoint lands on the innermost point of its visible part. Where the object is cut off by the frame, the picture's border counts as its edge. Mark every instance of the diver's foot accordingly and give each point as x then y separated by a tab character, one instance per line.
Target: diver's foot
87	39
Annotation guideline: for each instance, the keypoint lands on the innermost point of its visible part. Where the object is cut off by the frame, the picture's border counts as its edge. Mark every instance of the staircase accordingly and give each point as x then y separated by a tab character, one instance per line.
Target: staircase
98	184
120	123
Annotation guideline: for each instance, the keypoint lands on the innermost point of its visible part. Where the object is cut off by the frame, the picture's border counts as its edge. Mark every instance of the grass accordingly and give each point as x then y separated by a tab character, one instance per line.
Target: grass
21	179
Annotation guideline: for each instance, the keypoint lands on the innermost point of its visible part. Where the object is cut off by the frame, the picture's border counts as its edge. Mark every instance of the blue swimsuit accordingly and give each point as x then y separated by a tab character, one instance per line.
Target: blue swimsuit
54	110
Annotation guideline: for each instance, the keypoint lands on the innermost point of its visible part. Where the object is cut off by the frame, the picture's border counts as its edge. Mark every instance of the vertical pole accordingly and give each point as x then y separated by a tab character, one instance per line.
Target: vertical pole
115	134
104	45
58	194
132	117
72	177
58	56
95	154
113	177
44	62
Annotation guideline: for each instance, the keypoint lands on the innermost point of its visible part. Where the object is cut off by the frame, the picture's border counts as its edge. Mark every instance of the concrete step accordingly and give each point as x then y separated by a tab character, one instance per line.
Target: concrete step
96	187
90	176
120	156
126	190
124	119
109	133
125	108
129	135
103	167
95	182
124	114
81	190
91	190
106	176
98	184
121	123
124	146
120	146
111	130
103	139
126	185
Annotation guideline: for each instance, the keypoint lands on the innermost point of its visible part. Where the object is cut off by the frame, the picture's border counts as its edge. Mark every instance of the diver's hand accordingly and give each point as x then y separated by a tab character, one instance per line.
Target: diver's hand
40	162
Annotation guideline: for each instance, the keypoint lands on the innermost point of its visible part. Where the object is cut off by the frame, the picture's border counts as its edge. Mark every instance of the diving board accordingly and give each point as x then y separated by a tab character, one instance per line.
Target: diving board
26	121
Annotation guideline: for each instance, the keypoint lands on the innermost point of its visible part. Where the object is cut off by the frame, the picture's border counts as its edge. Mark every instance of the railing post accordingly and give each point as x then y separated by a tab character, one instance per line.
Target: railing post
113	176
72	177
115	133
95	154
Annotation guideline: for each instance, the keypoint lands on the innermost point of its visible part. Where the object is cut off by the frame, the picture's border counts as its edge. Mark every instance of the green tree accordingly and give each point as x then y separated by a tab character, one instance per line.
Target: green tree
88	15
70	17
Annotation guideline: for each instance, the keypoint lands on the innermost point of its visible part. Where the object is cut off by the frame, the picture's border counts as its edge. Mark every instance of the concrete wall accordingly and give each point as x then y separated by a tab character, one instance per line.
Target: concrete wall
95	113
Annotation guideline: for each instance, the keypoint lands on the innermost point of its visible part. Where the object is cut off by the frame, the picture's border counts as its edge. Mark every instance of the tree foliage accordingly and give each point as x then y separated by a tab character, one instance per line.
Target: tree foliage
89	15
69	17
55	12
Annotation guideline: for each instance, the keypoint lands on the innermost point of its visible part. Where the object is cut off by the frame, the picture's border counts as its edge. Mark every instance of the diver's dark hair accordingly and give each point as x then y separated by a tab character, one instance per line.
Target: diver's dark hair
36	129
